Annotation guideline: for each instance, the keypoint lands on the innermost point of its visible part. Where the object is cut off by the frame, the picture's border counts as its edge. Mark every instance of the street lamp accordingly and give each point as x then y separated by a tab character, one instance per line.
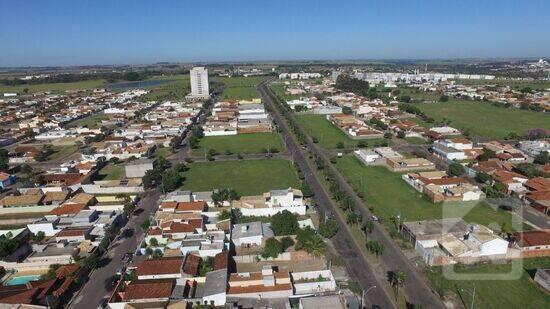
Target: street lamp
364	293
473	293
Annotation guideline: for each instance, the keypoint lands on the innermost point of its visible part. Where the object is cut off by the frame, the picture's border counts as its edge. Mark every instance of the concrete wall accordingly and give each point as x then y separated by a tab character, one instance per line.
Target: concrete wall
265	212
29	209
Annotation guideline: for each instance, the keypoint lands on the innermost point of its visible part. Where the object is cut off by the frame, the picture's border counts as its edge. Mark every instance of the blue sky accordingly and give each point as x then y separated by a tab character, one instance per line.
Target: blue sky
56	32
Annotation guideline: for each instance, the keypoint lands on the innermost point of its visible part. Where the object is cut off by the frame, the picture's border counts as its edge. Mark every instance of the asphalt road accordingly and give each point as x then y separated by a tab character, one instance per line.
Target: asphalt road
416	289
99	285
356	264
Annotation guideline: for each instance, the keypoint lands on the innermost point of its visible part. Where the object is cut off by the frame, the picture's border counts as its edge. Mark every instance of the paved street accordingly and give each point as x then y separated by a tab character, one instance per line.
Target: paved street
99	284
356	264
416	288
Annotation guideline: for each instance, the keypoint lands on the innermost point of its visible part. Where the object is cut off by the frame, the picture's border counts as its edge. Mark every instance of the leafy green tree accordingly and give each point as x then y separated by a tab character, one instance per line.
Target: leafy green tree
368	227
351	218
306	190
375	247
340	145
284	223
329	228
145	225
92	262
51	272
486	155
7	246
287	242
347	110
224	215
171	180
39	236
132	76
272	248
157	253
443	98
401	134
542	158
483	177
153	242
309	241
220	196
528	169
456	169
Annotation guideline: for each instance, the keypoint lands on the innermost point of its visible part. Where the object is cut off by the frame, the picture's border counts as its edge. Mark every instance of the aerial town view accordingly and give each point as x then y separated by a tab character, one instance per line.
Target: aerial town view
275	154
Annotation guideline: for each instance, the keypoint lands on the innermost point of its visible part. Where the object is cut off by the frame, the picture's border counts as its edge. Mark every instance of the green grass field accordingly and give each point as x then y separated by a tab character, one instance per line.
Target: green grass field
519	293
484	119
243	143
329	135
514	84
241	88
389	196
247	177
61	152
112	172
92	122
164	152
177	89
87	84
279	89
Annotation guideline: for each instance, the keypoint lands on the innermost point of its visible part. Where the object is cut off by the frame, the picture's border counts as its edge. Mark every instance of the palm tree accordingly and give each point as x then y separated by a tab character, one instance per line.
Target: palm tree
398	279
316	246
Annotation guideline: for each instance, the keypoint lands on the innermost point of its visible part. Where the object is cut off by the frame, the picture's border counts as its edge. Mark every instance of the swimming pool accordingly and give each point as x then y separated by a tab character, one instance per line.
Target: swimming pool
22	280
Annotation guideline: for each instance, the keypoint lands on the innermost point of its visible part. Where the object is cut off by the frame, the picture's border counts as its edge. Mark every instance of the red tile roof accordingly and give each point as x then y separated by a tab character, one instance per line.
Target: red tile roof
67	209
185	206
160	266
221	260
66	270
71	232
533	238
192	264
538	184
148	289
191	206
258	288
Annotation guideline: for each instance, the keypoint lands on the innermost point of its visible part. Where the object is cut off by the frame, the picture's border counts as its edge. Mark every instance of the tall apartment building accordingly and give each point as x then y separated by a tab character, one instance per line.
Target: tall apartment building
199	83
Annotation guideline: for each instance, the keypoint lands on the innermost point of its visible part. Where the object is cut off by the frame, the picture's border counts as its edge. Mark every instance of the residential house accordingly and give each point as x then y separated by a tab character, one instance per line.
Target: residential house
169	267
532	243
144	293
313	282
440	188
6	180
251	233
260	285
450	241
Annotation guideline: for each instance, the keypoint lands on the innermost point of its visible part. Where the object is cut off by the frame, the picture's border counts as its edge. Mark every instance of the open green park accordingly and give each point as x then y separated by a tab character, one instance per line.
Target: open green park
328	135
176	87
247	177
484	119
389	196
31	88
514	84
112	172
240	143
241	88
92	122
513	293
